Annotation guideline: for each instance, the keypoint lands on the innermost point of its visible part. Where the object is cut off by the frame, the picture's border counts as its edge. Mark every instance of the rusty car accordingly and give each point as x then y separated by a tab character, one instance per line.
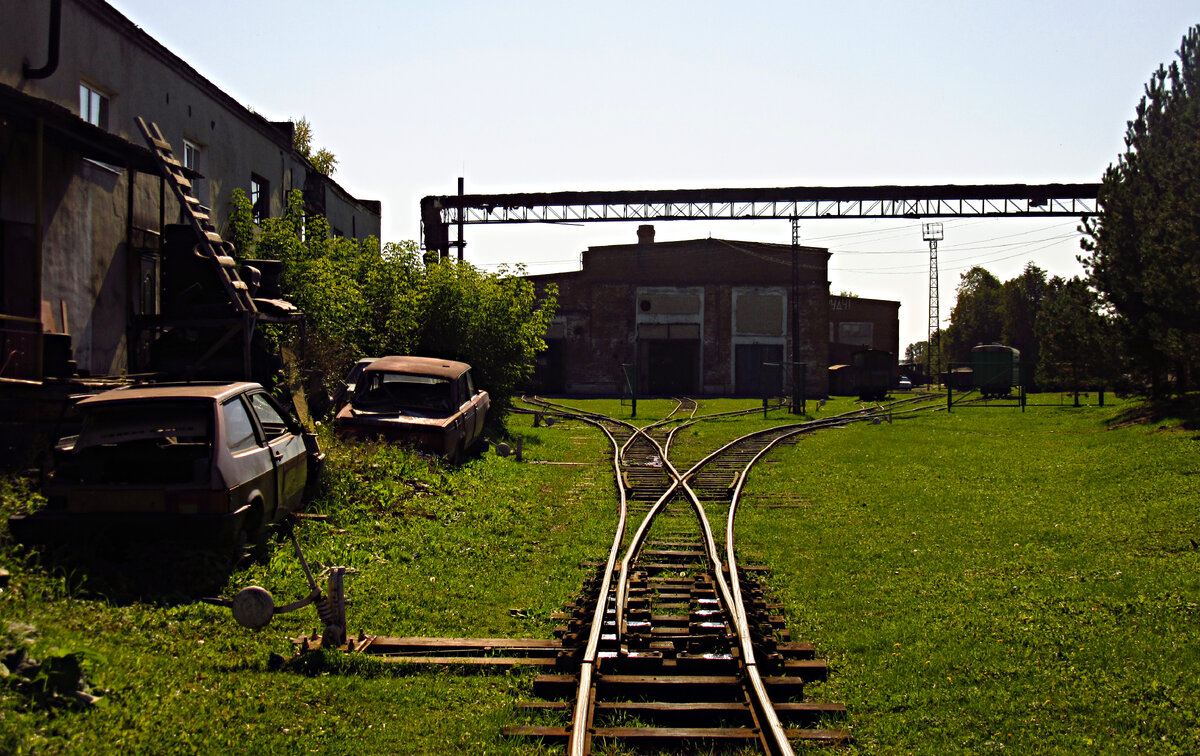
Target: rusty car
221	460
431	404
345	389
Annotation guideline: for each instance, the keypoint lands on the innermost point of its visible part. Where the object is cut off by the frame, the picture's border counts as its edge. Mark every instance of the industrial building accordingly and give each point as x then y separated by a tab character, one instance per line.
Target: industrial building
703	317
83	209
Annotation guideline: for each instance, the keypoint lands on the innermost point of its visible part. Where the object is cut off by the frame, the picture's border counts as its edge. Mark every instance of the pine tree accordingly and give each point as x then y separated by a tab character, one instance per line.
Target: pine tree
1143	247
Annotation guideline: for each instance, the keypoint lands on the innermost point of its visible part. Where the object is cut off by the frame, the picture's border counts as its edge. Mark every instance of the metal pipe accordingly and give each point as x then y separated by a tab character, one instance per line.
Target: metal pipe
52	46
39	182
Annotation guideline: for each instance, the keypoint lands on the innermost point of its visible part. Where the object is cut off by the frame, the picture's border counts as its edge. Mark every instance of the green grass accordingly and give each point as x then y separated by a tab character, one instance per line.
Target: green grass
979	581
990	580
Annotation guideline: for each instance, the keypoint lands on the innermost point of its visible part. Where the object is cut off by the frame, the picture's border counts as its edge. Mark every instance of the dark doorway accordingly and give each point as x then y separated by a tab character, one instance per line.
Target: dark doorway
752	378
549	375
671	367
17	256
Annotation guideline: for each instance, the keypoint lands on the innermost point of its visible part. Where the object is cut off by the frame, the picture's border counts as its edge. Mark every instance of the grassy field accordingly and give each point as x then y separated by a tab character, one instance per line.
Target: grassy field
980	581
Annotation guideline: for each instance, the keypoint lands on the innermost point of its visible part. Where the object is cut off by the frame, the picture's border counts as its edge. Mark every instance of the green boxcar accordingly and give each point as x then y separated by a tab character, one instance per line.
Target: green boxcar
997	369
873	370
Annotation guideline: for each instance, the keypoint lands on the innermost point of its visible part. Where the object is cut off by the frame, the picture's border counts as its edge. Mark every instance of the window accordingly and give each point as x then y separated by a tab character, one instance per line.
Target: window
260	197
191	161
239	428
859	334
191	156
93	106
273	423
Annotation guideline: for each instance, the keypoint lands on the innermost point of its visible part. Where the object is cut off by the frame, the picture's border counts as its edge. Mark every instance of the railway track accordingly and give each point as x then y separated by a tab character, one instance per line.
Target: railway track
673	642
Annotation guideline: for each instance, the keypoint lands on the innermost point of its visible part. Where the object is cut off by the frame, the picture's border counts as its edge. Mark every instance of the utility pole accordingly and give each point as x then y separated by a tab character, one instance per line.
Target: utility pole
461	211
932	233
795	303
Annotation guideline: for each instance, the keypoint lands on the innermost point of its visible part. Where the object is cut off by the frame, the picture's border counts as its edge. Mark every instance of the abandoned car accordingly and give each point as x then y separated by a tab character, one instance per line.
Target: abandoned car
429	403
219	460
346	388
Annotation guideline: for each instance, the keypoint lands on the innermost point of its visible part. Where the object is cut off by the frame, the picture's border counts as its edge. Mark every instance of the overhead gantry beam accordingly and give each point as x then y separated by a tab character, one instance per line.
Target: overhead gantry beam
947	201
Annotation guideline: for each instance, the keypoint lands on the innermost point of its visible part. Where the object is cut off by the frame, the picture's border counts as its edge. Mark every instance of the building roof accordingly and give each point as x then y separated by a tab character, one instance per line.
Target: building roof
691	258
91	141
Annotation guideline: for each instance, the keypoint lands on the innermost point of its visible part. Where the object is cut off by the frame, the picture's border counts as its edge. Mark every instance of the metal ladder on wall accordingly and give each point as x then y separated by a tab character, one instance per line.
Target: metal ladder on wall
212	247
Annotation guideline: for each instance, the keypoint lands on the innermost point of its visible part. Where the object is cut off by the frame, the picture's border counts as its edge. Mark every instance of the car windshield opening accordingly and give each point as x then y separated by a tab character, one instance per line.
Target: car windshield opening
379	391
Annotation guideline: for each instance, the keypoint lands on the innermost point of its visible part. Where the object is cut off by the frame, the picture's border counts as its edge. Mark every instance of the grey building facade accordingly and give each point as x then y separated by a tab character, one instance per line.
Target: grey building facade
82	206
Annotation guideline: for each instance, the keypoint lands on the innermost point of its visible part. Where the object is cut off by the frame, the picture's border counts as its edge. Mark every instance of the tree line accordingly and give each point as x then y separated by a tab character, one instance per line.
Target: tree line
1133	319
1065	339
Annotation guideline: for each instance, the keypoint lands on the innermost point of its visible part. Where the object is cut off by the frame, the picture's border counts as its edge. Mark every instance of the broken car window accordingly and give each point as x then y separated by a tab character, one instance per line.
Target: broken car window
273	423
160	423
379	390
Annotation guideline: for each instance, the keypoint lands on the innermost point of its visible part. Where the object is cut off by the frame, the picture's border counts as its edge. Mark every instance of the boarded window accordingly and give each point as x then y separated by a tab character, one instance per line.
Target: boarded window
856	333
759	315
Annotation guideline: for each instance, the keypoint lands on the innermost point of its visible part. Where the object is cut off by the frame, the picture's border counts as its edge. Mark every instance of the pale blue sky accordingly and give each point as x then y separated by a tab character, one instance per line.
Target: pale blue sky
546	96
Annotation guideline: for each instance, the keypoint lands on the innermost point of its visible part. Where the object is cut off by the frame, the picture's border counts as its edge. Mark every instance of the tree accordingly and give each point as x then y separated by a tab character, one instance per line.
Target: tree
1073	335
323	160
495	321
916	351
1021	299
976	317
364	299
240	230
1143	246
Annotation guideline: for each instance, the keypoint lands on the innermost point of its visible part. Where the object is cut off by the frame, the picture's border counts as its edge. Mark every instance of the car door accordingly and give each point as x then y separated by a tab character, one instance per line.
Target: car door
248	470
478	406
286	444
466	410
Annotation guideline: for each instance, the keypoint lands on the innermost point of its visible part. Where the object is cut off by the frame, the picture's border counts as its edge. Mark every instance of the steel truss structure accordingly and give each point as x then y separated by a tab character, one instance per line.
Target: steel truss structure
947	201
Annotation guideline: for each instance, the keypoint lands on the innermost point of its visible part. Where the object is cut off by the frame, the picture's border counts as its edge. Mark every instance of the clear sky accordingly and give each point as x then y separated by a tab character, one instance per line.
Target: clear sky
548	96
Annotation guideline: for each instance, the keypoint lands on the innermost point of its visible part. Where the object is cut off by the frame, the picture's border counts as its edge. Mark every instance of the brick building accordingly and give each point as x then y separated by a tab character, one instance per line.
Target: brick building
701	317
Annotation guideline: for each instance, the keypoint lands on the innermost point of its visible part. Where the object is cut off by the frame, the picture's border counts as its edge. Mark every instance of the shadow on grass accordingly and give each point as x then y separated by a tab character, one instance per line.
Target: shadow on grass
331	662
123	570
1185	410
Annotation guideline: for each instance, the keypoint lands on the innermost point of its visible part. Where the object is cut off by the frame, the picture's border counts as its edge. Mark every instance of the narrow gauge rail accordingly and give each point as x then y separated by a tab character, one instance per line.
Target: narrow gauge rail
675	618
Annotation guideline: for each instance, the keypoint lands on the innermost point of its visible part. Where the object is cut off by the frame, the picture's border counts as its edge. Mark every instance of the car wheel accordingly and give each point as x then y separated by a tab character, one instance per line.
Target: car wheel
250	536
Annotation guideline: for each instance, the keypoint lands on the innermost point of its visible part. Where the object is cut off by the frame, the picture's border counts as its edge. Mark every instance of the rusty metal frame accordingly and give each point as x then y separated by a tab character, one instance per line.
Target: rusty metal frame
944	201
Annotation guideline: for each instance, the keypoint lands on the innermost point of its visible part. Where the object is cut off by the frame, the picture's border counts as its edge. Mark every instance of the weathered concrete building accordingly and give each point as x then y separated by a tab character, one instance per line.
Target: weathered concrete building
701	317
82	206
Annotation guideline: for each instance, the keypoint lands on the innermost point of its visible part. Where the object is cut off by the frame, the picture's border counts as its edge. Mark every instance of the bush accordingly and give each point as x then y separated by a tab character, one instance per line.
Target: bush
364	299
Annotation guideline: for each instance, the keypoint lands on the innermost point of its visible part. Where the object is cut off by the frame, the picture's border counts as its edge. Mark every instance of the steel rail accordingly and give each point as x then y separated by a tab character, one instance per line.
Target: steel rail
772	734
771	730
579	743
777	743
581	720
582	717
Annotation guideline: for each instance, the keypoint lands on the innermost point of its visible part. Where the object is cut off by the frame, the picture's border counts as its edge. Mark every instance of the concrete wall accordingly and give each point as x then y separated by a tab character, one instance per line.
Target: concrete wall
102	48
